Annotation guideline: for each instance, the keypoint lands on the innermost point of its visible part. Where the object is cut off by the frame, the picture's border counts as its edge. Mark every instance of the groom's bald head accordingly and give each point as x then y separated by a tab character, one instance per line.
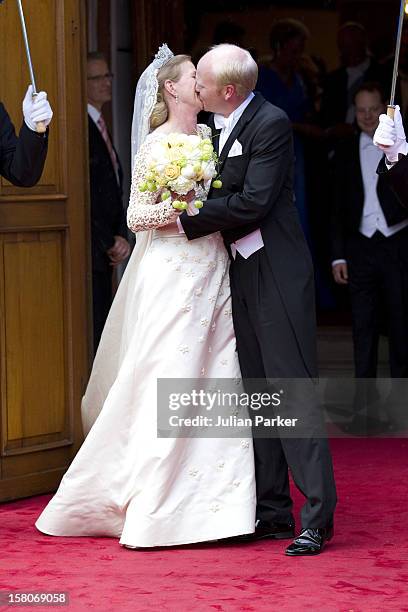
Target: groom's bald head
225	77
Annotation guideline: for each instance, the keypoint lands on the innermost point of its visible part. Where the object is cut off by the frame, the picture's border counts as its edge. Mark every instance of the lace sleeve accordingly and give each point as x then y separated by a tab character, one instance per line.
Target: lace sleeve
144	212
201	191
204	130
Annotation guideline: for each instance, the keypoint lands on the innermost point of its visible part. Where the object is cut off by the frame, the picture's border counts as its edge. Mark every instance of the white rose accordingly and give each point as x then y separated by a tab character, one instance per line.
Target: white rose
195	155
208	170
188	172
160	167
194	140
181	185
157	151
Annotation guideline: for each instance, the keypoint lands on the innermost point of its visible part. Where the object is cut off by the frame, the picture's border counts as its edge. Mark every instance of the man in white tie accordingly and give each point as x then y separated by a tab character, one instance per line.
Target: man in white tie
271	286
108	220
370	245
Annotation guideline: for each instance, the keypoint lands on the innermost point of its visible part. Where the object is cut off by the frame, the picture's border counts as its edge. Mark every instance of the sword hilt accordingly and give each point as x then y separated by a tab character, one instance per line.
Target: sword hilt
40	126
391	111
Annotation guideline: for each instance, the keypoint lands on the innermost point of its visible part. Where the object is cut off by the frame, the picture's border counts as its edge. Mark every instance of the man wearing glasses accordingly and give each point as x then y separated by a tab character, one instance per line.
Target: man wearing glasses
108	220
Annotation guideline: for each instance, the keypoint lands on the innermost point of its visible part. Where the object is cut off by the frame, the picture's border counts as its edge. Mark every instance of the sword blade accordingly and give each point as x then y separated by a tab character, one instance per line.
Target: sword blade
27	46
397	52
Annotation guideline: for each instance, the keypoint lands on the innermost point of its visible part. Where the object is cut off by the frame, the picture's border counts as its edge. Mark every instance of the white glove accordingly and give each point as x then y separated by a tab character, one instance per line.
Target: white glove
36	109
390	136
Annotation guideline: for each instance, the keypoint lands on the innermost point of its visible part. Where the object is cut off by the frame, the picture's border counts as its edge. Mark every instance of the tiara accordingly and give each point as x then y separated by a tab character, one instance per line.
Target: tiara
162	56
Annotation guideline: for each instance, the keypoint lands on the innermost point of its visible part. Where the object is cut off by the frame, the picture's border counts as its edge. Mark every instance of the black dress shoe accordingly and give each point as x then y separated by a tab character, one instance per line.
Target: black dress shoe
310	542
275	531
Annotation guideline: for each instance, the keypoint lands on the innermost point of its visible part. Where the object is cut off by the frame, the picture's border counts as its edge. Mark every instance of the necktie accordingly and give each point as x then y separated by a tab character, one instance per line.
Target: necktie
104	133
222	122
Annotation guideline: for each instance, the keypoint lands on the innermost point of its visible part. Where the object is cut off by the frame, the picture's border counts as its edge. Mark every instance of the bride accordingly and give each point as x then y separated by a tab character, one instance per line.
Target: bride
171	318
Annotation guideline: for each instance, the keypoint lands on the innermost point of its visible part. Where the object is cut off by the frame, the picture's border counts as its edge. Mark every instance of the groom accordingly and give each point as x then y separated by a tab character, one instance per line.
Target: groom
271	283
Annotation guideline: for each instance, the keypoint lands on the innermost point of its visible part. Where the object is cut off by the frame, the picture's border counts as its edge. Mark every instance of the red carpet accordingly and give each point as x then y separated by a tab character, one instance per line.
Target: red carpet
365	568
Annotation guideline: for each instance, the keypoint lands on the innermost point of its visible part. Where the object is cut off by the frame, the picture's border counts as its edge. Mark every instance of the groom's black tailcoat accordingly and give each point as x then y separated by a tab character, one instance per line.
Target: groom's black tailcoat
272	299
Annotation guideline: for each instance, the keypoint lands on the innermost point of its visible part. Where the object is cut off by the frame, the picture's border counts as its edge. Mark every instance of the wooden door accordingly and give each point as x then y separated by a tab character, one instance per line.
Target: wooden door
155	22
44	256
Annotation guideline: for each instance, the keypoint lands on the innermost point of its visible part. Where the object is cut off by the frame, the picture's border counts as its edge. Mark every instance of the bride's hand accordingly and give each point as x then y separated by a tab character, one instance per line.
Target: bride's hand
172	224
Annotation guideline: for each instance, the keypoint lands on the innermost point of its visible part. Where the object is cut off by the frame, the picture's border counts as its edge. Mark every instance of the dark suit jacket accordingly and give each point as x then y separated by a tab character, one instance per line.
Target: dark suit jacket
257	193
334	99
348	197
22	159
107	214
397	180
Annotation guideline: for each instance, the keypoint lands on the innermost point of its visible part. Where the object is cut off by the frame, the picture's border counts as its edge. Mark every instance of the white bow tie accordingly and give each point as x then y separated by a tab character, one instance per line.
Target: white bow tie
223	123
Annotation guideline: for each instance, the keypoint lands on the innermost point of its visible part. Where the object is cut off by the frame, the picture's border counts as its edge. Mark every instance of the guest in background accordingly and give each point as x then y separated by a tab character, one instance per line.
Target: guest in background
283	83
108	220
370	245
357	67
22	158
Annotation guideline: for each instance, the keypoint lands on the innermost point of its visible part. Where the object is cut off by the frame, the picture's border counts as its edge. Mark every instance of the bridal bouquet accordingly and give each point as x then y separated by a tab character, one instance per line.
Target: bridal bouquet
179	164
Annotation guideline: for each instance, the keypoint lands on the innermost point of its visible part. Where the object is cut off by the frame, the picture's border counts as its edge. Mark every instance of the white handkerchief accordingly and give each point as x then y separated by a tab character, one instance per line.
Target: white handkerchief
235	150
248	245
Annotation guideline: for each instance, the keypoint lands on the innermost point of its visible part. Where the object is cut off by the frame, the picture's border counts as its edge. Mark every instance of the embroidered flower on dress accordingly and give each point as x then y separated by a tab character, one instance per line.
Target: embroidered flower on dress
193	472
244	443
204	322
186	308
183	348
215	507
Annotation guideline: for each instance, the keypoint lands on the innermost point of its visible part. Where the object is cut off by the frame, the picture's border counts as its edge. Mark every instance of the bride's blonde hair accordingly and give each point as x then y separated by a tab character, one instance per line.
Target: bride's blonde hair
170	71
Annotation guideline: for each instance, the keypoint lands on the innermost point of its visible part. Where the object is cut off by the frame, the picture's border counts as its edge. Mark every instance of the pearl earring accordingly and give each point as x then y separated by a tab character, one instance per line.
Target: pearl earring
177	99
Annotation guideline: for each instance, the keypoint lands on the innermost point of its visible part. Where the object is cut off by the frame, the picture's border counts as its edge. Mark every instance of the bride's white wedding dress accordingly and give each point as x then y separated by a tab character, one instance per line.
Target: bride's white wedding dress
171	318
